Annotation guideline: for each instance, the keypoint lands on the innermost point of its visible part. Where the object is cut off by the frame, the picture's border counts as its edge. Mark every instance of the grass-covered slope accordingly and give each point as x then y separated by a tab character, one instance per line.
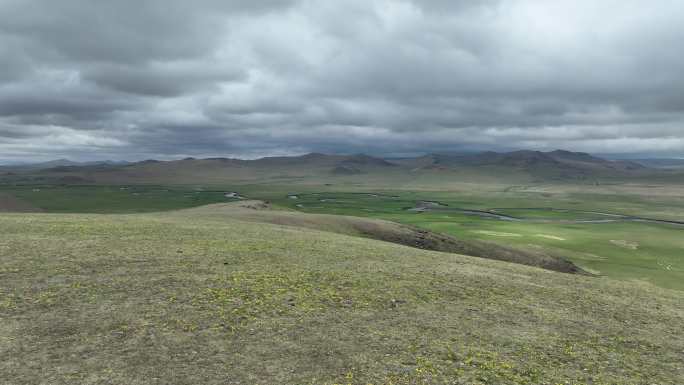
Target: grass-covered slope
262	212
174	298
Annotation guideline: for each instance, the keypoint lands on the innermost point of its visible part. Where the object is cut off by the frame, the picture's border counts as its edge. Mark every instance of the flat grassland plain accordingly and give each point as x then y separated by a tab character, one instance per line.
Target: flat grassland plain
104	287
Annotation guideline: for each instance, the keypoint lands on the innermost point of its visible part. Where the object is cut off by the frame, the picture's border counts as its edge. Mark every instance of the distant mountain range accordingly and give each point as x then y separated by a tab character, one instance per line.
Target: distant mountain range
564	163
524	165
662	163
63	163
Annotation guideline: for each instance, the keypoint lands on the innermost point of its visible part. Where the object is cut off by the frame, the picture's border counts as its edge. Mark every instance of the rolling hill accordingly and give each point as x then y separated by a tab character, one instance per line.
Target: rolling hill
559	164
510	167
262	212
179	297
662	163
60	163
216	170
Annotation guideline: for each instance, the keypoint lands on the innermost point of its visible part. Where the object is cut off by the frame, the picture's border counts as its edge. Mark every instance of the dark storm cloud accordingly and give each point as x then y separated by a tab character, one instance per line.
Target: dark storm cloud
160	79
132	79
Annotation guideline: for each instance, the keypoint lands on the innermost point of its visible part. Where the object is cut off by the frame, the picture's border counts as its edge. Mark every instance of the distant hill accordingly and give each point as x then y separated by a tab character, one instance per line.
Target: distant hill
39	165
365	160
55	163
61	163
559	164
582	159
221	170
517	166
661	163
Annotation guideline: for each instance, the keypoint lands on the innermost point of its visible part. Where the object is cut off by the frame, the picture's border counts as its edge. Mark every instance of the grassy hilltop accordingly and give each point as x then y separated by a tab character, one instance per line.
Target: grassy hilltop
185	297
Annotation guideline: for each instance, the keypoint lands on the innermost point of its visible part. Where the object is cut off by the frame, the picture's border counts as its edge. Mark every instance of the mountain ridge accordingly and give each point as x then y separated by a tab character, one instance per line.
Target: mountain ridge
523	165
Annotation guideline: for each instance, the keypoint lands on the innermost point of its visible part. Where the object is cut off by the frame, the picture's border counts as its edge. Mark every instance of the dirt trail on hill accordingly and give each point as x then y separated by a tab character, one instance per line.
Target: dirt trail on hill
10	203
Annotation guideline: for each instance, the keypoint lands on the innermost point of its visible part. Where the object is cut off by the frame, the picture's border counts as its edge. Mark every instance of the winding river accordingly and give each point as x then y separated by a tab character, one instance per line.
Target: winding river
432	206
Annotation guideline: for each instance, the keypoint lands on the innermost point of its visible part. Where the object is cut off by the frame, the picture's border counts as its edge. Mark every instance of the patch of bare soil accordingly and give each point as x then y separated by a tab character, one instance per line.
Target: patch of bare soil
254	205
624	243
428	240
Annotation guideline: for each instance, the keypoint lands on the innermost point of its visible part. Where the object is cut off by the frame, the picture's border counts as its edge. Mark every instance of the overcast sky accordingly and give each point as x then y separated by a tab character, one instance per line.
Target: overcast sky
132	79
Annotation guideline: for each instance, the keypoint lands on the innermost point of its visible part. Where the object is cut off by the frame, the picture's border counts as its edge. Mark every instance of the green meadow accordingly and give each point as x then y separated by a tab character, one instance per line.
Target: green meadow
113	199
557	219
621	249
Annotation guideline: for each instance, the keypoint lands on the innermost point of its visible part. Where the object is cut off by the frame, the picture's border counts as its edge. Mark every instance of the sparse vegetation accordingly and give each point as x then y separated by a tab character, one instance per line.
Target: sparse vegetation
178	298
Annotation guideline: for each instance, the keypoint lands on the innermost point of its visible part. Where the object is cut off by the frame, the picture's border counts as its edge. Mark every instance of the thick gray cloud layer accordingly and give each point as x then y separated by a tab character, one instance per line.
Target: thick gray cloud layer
167	78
